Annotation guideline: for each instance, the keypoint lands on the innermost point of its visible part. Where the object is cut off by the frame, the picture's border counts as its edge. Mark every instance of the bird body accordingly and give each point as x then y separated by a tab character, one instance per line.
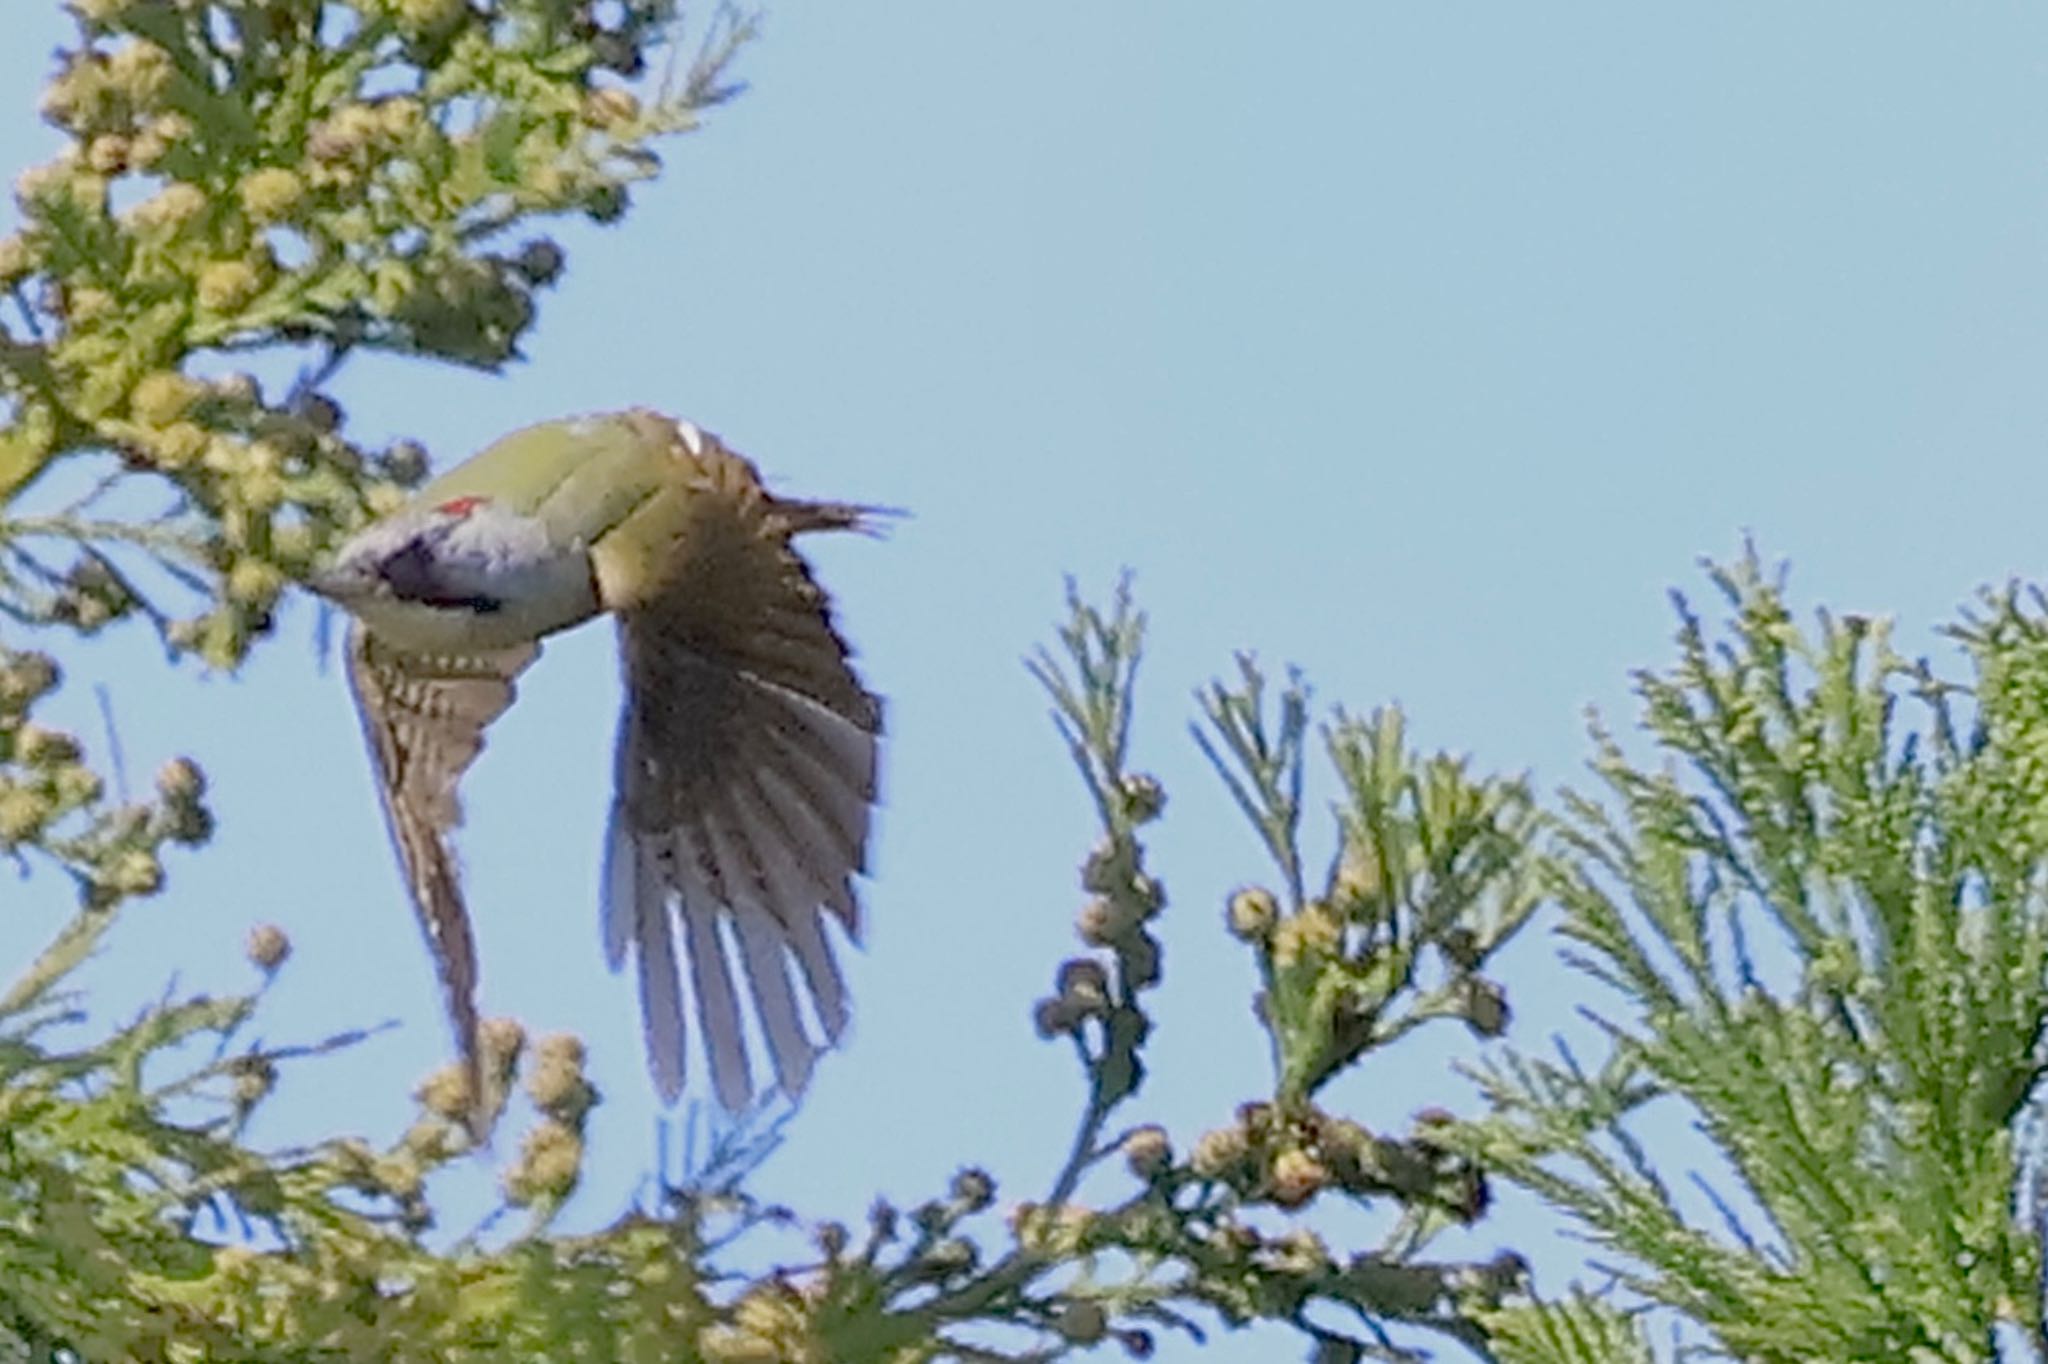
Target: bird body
745	762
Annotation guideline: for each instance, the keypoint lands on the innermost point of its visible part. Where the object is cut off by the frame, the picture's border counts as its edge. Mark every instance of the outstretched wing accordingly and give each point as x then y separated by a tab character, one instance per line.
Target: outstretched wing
424	718
746	768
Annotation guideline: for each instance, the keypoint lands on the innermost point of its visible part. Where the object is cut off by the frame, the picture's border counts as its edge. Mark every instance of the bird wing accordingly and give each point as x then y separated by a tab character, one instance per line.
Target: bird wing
746	773
424	718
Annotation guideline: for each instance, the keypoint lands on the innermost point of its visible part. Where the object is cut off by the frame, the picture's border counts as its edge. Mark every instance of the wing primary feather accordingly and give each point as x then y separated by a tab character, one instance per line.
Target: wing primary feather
661	1005
762	901
622	877
761	949
797	857
791	828
821	973
851	746
834	793
725	1041
831	807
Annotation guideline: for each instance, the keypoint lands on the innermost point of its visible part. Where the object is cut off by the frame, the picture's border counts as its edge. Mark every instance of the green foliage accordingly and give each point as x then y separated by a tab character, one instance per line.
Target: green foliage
1577	1330
1825	919
1431	877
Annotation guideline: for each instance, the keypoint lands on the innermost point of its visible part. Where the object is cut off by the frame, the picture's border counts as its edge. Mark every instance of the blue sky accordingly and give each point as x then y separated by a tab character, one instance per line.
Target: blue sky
1424	346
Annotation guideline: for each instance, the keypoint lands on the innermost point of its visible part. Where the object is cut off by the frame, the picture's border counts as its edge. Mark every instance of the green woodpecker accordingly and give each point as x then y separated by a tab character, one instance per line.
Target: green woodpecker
745	766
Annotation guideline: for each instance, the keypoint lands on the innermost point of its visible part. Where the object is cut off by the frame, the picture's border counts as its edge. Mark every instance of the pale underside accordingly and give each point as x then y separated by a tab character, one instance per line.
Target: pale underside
745	773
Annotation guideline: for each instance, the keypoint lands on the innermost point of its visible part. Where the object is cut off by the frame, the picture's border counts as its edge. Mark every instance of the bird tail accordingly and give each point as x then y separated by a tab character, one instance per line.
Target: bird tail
804	517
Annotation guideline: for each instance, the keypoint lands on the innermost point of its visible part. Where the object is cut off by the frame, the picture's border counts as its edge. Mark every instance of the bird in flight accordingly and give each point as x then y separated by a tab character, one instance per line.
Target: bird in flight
745	767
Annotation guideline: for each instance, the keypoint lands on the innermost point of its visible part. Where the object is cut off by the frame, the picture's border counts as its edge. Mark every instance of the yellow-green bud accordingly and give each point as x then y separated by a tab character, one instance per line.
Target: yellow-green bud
72	92
345	132
399	1174
973	1189
1300	1251
1347	1148
227	285
171	127
606	203
178	444
146	149
1148	1152
1055	1016
240	388
1313	932
1357	877
1219	1153
406	461
445	1094
140	71
267	947
108	154
550	1162
722	1344
186	633
954	1255
1295	1178
1462	948
1084	985
433	1141
41	182
1252	913
1060	1231
540	261
41	747
26	677
254	1078
1485	1007
252	582
162	397
1109	866
76	786
1144	797
17	258
181	781
1103	921
832	1239
169	209
399	116
321	413
502	1037
616	51
430	16
86	304
555	1081
23	813
1081	1322
136	872
272	194
610	107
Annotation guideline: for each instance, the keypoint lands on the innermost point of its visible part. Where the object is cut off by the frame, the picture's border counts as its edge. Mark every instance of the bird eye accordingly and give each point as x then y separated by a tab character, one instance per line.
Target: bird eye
410	572
413	574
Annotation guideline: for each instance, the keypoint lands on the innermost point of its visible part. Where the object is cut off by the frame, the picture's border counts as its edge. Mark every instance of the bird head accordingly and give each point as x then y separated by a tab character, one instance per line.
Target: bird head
460	572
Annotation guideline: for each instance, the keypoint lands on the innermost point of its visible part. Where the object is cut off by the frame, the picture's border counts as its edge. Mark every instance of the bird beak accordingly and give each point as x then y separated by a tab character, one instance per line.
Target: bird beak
338	587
